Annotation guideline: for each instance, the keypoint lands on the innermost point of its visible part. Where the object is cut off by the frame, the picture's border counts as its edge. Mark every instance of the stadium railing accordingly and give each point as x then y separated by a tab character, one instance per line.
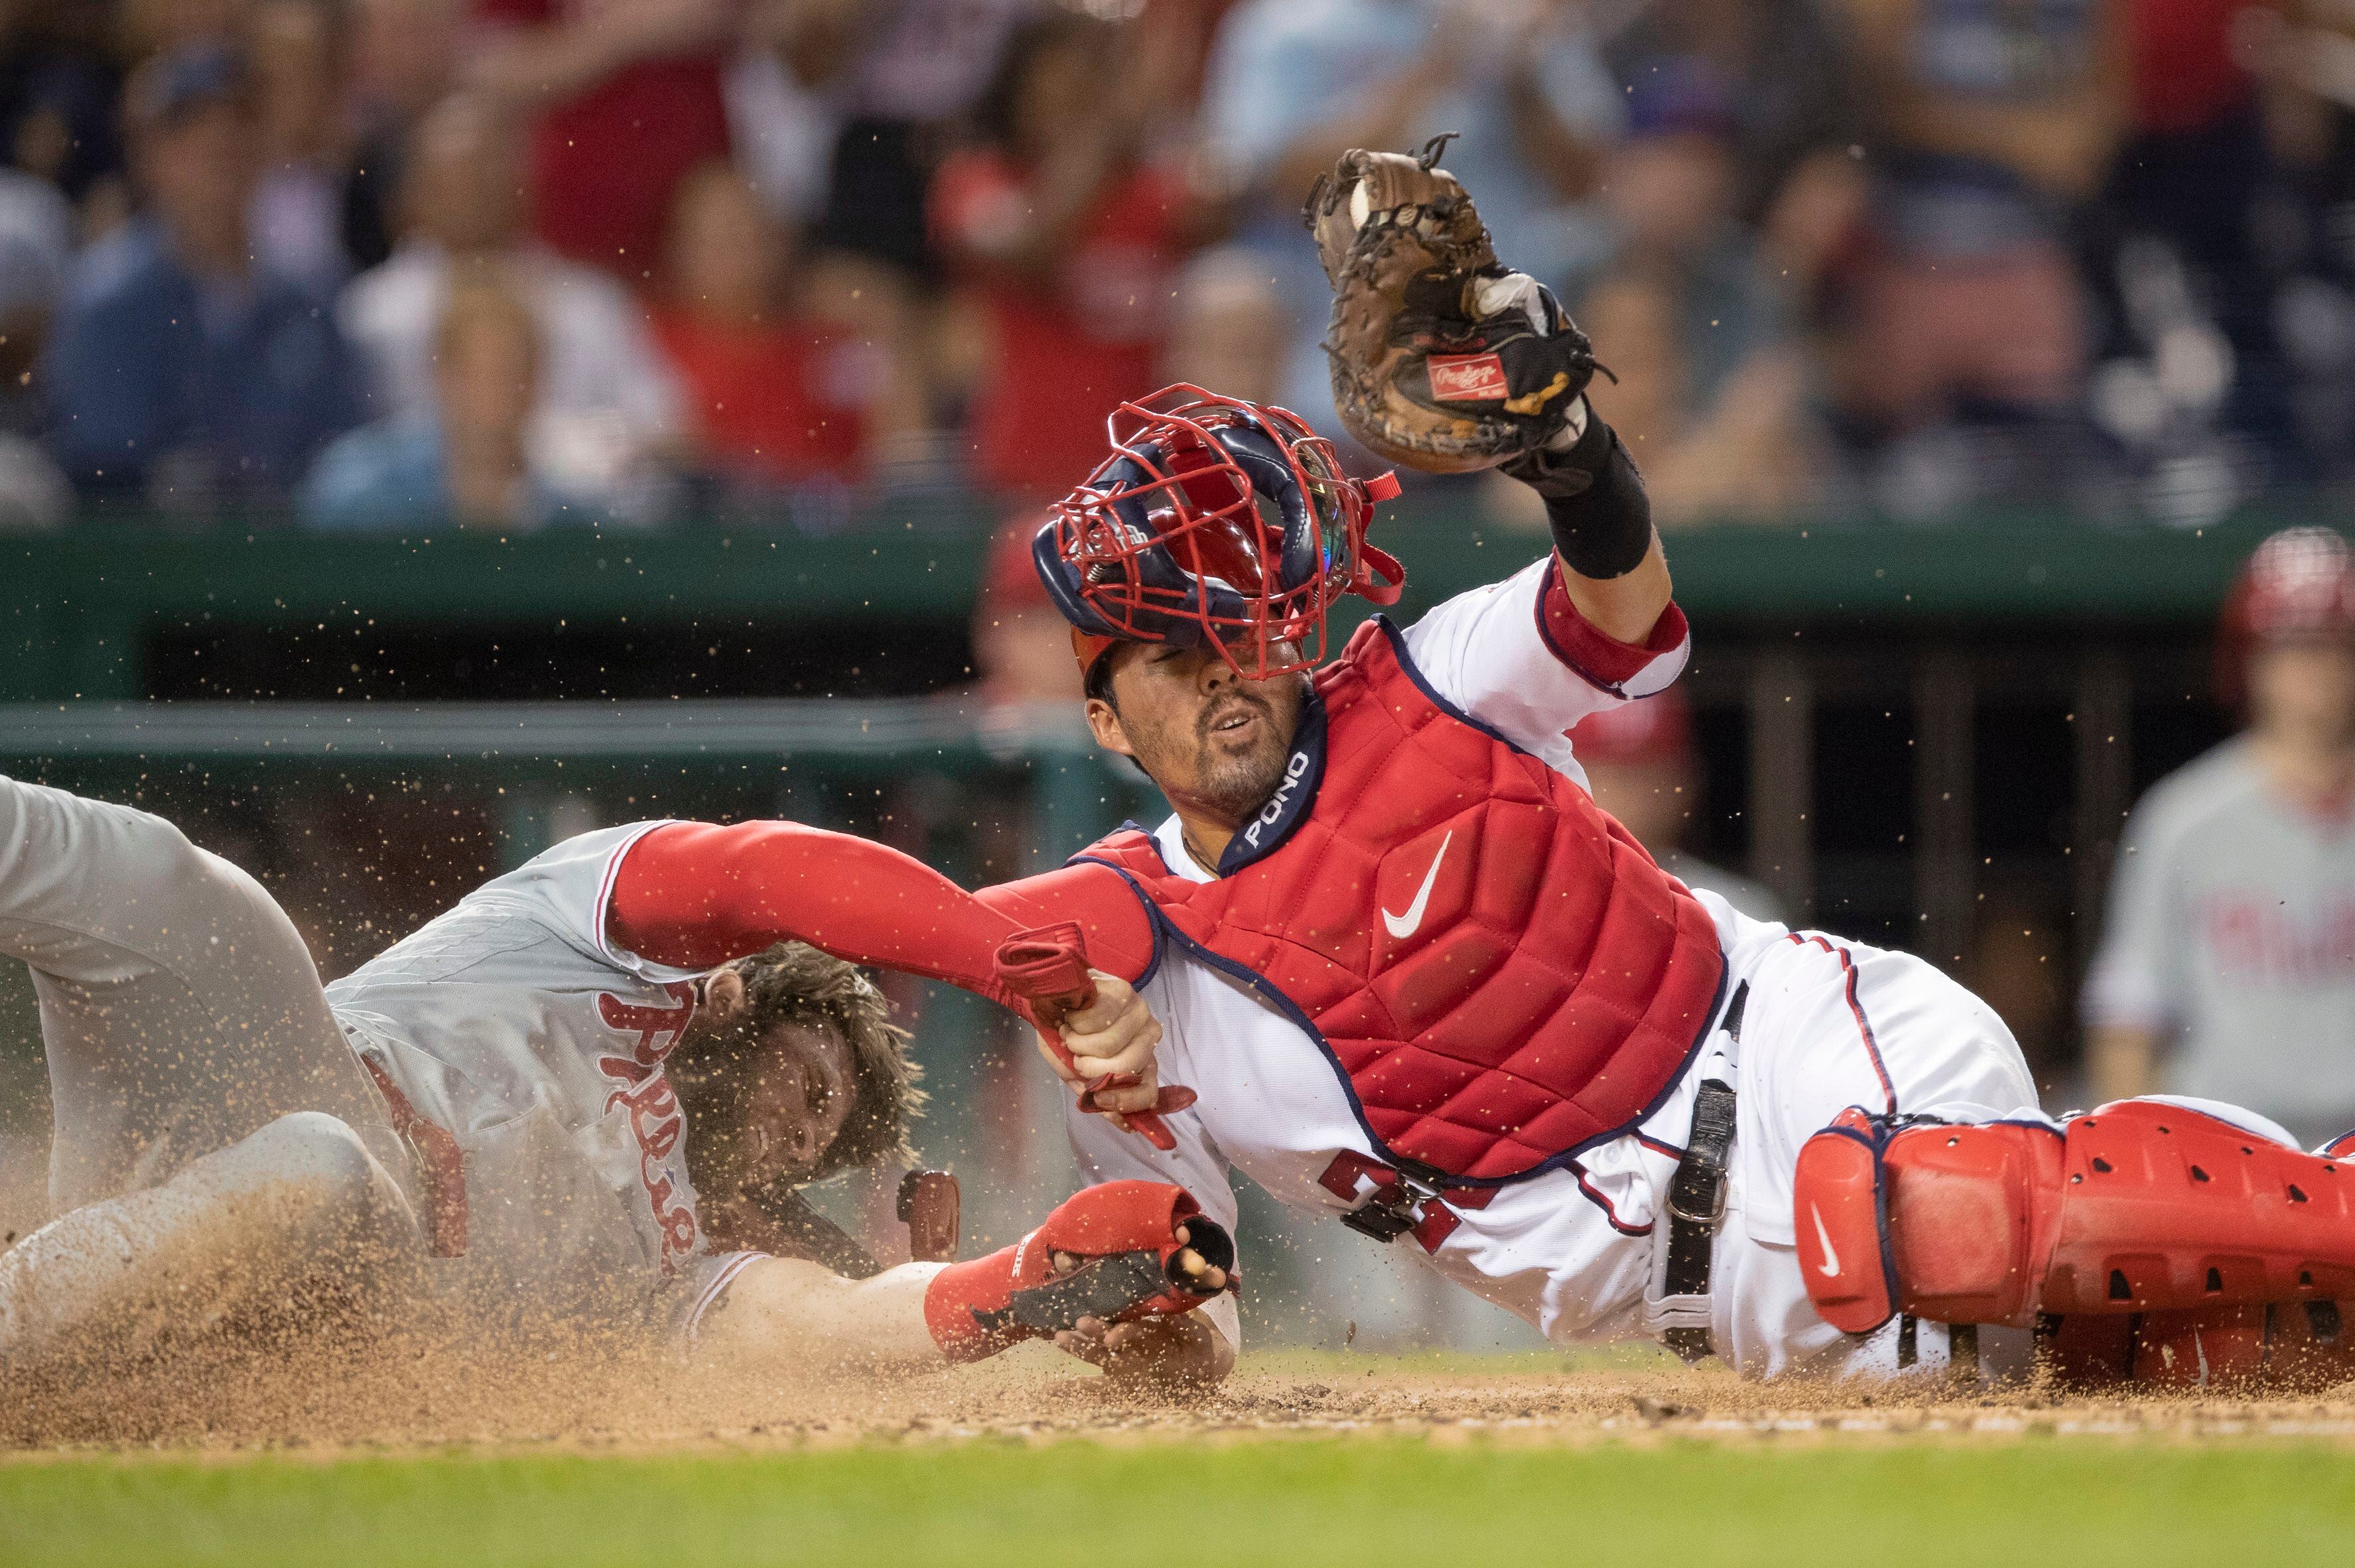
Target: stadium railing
79	608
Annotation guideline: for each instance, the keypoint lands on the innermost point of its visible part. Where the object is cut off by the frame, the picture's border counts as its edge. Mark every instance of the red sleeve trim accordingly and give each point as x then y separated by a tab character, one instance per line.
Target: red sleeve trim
1601	661
736	1264
605	883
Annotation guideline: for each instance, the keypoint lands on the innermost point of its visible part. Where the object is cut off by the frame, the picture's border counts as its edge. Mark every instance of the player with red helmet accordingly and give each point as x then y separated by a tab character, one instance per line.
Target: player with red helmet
2297	590
2228	961
1422	984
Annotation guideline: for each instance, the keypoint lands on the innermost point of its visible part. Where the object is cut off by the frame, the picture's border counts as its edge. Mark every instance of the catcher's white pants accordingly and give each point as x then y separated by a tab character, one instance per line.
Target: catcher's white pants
182	1018
1827	1024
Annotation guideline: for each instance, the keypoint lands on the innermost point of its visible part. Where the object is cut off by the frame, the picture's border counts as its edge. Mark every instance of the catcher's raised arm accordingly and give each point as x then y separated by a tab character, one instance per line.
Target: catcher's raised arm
1444	359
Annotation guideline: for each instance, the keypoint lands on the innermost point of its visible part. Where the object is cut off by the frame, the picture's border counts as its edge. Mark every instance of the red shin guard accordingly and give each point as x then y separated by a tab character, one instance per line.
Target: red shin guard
2286	1348
2138	1207
1124	1234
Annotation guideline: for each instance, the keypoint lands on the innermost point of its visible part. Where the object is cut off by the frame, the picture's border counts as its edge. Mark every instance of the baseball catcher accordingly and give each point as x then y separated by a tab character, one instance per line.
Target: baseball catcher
1425	986
587	1094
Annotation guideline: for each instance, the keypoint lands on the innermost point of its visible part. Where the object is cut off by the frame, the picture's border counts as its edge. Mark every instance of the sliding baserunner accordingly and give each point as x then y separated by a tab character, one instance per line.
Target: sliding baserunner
583	1094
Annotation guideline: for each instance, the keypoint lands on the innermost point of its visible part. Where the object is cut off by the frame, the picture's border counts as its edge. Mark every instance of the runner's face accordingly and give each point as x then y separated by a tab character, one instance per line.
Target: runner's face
795	1103
1214	741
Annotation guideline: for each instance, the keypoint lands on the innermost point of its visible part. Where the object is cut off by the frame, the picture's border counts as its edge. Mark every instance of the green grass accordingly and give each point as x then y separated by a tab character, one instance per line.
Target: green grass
1297	1502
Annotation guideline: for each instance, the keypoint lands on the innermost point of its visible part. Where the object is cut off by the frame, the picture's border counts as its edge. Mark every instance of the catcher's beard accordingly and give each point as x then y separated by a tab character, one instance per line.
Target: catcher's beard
1228	784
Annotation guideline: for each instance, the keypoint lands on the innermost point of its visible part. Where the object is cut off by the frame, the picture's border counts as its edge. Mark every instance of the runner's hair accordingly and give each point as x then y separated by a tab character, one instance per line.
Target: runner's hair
794	983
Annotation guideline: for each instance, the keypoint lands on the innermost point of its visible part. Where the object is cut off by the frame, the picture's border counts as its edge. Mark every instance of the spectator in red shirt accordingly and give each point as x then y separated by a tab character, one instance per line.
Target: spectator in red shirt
784	391
1070	244
627	98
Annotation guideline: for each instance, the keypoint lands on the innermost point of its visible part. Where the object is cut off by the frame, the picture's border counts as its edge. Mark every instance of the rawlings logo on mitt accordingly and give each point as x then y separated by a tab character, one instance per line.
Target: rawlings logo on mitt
1442	358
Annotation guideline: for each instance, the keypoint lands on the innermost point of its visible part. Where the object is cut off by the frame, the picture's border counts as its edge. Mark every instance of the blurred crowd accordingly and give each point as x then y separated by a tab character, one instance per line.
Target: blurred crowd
513	263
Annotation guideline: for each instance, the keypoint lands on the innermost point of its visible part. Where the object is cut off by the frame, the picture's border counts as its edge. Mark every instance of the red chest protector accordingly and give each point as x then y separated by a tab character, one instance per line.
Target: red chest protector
1503	976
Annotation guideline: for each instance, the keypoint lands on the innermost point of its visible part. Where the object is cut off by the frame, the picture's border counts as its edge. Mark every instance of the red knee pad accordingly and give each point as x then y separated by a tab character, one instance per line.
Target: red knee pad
2086	1352
2223	1346
2310	1345
2140	1207
1939	1221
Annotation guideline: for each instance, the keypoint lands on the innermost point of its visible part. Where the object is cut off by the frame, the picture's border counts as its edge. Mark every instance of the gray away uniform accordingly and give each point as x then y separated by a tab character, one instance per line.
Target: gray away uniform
2231	932
217	1133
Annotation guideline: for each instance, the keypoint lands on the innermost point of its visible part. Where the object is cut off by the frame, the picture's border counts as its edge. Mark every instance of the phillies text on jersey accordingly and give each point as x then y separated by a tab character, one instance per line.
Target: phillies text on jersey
513	1023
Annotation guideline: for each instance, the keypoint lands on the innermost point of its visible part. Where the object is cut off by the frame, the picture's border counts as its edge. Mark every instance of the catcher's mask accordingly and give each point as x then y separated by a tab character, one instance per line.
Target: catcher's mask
1215	523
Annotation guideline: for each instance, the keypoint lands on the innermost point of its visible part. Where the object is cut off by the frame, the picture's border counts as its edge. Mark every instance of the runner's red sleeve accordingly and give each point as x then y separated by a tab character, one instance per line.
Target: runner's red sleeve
1118	932
697	894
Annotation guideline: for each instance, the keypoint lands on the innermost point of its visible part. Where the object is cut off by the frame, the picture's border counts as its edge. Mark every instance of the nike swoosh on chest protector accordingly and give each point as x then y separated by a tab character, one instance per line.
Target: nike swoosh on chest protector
1401	927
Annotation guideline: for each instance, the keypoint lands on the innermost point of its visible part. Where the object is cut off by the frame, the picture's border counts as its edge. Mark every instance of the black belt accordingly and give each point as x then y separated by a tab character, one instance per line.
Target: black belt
1697	1196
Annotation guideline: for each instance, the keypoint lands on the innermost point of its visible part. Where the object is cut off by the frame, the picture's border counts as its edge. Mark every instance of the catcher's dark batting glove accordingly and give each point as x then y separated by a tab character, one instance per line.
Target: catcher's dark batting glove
1568	464
1114	1251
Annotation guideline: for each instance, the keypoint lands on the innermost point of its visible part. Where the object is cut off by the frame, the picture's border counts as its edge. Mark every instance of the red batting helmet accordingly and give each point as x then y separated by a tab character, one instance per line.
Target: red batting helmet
1215	523
2300	584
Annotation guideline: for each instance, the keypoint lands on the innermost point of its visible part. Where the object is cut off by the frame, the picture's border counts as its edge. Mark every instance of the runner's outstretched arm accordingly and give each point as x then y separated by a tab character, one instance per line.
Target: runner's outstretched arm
695	894
698	894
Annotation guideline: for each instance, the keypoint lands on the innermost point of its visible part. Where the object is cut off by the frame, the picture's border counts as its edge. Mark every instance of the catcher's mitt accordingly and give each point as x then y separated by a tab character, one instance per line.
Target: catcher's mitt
1443	359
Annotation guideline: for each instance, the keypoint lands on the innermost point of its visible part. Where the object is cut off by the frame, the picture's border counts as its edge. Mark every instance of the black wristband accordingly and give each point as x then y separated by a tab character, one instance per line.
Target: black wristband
1594	500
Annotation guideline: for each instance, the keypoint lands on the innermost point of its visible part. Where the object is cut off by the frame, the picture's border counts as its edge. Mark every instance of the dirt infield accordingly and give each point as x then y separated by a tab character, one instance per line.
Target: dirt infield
613	1398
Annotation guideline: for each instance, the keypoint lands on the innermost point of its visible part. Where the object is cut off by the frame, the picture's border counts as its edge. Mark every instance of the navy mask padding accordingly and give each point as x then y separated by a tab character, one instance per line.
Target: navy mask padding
1154	569
1061	581
1157	568
1270	473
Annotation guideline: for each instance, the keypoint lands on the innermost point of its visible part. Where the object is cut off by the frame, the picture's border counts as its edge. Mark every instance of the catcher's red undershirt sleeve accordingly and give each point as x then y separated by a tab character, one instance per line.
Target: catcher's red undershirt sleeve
1602	660
697	894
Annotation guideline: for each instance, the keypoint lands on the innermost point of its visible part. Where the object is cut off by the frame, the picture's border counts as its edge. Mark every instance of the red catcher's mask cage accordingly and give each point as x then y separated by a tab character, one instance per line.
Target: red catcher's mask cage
1216	523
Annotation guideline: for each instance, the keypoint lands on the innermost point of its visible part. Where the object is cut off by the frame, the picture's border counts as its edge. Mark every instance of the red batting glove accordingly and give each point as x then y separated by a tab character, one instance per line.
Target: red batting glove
1124	1234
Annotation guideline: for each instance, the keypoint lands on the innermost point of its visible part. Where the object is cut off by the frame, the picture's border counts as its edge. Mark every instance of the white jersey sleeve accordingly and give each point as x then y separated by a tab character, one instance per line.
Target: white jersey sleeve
1107	1153
1516	656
